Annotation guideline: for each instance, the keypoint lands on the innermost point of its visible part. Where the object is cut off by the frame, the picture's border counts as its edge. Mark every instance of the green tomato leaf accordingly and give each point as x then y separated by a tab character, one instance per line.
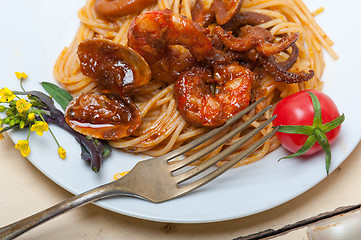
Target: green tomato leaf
60	95
323	141
317	117
311	140
296	129
325	128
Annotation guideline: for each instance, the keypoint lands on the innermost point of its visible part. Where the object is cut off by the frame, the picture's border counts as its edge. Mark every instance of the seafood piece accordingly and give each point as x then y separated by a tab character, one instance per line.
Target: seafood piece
225	10
206	11
109	112
102	116
255	43
117	69
292	58
202	12
120	8
154	34
257	38
199	106
281	74
246	18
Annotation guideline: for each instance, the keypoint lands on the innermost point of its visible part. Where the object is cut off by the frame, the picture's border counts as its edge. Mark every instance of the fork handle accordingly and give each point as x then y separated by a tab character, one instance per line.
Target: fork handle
15	229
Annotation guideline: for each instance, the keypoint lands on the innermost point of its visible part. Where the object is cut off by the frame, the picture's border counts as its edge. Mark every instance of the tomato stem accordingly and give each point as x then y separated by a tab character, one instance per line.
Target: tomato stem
297	129
323	141
311	140
333	124
317	116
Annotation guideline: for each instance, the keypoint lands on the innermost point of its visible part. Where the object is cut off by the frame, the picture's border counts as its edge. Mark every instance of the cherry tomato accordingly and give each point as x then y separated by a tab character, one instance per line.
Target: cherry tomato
298	109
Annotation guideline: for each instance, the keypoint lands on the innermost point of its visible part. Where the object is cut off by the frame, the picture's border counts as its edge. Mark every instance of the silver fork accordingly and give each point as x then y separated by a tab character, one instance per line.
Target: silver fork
156	179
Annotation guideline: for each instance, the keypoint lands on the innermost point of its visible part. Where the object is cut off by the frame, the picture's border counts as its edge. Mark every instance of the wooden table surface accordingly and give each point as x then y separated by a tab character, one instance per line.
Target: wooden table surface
24	190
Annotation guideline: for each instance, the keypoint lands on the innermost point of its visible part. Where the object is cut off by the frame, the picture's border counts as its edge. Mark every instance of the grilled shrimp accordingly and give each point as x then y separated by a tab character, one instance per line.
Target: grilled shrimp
154	34
199	106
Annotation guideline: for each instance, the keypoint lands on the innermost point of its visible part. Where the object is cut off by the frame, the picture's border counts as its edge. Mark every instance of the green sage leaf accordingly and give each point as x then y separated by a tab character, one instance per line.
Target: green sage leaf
60	95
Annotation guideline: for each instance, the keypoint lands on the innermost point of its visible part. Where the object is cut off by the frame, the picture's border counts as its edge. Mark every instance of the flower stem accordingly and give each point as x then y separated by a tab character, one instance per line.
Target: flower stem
51	132
28	134
21	84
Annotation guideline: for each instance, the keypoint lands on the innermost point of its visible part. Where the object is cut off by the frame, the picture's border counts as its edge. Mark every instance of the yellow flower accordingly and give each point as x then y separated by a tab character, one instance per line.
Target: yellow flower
1	134
23	146
39	127
22	105
20	75
62	152
6	95
31	116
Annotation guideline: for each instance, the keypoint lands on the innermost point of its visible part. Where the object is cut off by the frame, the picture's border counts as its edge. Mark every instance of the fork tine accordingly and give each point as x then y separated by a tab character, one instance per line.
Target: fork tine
217	143
210	162
208	135
200	182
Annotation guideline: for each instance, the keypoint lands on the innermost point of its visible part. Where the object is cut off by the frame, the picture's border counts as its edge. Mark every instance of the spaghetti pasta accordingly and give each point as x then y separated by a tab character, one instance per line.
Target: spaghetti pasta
163	128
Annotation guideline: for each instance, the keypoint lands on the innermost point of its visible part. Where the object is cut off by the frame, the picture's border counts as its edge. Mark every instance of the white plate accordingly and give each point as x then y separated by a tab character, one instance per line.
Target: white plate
34	33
